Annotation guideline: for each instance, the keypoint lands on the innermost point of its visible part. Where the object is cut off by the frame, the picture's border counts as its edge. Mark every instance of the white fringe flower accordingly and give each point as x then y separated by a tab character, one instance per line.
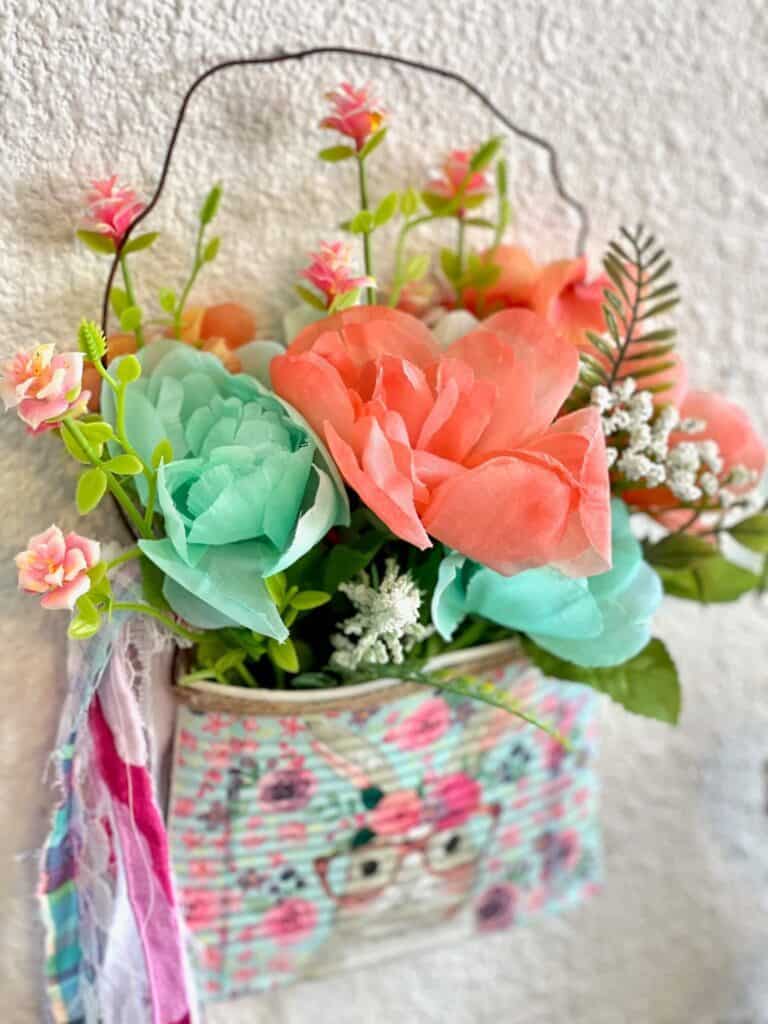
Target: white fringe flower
386	624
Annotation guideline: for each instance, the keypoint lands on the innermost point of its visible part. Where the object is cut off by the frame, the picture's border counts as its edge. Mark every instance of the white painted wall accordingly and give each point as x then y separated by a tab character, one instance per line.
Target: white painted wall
659	111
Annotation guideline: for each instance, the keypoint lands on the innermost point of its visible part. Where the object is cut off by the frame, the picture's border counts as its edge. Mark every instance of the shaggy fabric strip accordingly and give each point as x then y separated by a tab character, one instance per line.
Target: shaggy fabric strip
114	937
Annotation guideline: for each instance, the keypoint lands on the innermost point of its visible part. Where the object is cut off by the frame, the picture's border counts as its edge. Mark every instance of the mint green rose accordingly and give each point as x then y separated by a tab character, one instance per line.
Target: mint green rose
599	621
250	488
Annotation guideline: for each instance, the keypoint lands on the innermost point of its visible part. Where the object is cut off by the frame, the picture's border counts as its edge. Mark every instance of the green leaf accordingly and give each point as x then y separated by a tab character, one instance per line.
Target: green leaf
277	586
130	319
449	263
501	178
128	369
362	223
752	533
283	655
710	581
140	242
663	334
74	449
96	431
438	205
118	299
163	453
91	341
417	267
479	222
371	796
386	209
167	298
345	301
90	490
124	465
483	156
346	560
102	244
211	251
373	143
661	307
651	352
647	684
310	298
86	620
410	201
306	600
335	154
210	205
679	551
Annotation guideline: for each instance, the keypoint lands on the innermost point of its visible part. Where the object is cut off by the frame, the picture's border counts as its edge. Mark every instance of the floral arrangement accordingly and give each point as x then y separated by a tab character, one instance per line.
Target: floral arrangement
443	451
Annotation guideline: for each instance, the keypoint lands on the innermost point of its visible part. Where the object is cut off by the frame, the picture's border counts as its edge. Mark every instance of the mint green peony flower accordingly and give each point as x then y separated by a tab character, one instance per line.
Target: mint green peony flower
599	621
249	491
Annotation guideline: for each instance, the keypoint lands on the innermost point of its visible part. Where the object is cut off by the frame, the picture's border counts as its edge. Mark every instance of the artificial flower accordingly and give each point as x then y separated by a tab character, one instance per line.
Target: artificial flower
111	208
455	178
600	621
44	386
459	444
356	113
57	567
249	489
331	271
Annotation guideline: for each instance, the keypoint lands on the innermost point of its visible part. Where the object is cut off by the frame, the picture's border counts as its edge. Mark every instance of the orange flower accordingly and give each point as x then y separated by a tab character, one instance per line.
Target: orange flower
461	444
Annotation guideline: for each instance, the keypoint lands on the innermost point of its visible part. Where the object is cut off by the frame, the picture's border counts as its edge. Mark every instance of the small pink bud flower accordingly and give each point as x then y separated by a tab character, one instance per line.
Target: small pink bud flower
356	113
57	567
331	271
44	386
447	182
111	208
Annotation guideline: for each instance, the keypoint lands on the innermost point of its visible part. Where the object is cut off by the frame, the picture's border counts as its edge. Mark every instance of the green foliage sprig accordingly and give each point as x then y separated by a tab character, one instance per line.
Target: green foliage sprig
639	271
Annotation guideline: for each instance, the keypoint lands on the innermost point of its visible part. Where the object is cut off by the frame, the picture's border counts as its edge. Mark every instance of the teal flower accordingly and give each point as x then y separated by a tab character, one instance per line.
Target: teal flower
599	621
249	491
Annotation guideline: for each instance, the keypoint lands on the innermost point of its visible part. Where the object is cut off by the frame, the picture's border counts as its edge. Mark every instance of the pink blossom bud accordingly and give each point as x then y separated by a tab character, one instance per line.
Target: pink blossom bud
111	208
356	113
331	271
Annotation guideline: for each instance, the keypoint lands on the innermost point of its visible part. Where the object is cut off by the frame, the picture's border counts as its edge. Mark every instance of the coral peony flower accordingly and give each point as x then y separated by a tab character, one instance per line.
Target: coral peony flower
57	567
459	444
452	799
356	113
455	177
289	921
422	727
112	208
396	813
44	387
331	271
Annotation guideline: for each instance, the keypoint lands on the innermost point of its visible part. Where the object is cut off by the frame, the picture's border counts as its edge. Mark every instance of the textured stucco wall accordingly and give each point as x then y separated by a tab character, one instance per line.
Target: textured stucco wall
659	111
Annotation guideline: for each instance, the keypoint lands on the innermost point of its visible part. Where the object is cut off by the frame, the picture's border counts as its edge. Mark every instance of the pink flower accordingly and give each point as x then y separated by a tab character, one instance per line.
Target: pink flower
44	387
453	799
112	208
290	921
422	727
57	567
286	789
396	813
459	444
455	177
356	113
331	271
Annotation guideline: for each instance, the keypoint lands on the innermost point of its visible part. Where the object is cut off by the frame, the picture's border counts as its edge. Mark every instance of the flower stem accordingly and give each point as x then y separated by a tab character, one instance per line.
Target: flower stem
178	313
114	486
402	237
127	556
167	621
367	260
462	227
127	280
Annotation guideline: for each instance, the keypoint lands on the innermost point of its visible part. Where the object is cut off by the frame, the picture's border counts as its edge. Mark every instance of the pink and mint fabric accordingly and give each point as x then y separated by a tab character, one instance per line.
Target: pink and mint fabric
114	946
303	845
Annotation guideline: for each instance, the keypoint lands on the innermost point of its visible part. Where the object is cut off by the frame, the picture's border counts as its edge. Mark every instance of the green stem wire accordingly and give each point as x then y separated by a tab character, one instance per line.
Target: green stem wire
127	556
167	621
196	268
128	281
460	240
367	258
114	486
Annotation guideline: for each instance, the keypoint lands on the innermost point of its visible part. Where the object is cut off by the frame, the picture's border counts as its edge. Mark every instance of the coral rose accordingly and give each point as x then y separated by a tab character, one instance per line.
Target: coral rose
44	386
57	567
460	444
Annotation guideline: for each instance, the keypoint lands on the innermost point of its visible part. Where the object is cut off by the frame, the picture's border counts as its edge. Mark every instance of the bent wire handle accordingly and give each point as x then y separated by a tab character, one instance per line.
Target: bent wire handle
349	51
